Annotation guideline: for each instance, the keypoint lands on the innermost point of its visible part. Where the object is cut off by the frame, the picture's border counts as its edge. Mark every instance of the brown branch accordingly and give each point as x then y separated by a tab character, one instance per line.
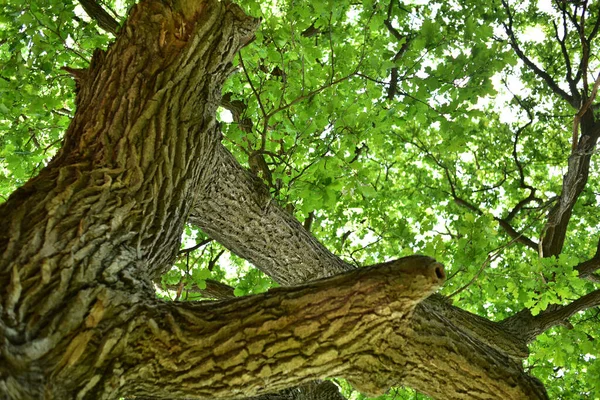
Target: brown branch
574	181
565	53
519	206
404	39
491	257
309	220
214	333
504	224
530	64
528	327
316	390
310	94
99	14
513	233
584	108
595	29
213	290
588	268
195	247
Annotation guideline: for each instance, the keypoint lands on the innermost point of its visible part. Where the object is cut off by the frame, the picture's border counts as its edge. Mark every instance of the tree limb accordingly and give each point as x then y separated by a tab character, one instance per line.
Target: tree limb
574	181
213	290
405	42
99	14
528	327
285	337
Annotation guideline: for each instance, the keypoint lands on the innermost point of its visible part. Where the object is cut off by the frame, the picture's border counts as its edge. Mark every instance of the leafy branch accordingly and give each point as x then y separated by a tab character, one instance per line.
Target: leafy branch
530	64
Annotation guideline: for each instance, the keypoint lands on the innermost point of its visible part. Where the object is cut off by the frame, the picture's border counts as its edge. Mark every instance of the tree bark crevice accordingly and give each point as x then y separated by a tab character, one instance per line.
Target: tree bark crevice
107	212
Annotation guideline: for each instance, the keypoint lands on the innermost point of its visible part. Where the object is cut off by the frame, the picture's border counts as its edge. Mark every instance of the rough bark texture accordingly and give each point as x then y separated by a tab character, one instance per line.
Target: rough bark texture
236	209
349	324
449	342
81	243
316	390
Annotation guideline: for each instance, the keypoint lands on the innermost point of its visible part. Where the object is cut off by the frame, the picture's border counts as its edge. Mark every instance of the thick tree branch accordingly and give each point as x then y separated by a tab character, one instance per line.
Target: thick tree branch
528	327
315	390
574	181
99	14
236	209
582	111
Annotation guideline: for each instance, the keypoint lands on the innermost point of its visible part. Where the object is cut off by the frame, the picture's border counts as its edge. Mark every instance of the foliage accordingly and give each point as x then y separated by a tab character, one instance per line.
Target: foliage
396	128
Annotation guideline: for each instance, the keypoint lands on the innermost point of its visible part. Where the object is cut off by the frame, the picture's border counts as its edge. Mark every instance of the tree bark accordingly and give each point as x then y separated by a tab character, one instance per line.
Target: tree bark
278	244
106	214
574	181
345	325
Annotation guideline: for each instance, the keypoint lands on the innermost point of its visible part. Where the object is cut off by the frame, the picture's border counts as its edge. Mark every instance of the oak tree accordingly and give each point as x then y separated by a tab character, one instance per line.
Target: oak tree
292	142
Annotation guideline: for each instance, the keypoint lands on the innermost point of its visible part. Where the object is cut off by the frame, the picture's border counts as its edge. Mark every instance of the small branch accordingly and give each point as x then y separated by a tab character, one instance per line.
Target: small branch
588	268
594	29
260	104
310	94
214	290
213	262
99	14
584	108
565	53
196	247
519	237
392	90
309	220
492	256
530	64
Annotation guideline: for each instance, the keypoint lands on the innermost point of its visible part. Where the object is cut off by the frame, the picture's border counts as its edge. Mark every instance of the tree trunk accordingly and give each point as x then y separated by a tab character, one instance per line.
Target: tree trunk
81	243
83	239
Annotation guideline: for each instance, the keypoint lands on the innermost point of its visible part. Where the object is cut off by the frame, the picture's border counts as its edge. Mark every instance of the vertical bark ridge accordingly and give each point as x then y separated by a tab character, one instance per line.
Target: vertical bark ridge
286	337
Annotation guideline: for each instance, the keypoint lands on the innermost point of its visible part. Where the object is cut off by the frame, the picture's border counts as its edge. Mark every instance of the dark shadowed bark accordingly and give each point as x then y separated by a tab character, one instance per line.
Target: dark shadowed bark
574	182
99	14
